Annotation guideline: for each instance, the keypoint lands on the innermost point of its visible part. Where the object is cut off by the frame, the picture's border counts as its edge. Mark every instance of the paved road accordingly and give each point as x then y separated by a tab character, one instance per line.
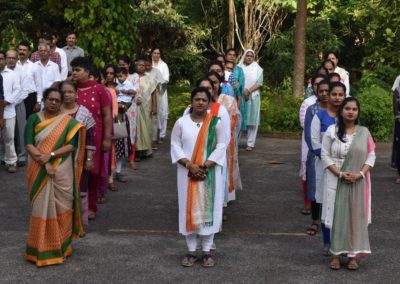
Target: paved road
135	236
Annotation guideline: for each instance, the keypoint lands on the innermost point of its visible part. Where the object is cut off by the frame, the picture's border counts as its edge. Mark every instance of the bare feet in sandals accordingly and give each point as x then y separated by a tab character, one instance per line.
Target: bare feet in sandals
313	229
189	260
208	261
352	264
335	263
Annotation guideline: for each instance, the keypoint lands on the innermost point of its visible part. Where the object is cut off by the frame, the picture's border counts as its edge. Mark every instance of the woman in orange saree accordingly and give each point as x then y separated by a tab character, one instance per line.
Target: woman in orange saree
55	143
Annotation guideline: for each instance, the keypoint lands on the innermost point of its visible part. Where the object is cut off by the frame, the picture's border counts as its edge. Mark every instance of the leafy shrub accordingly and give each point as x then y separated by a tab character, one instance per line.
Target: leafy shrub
178	100
376	111
279	110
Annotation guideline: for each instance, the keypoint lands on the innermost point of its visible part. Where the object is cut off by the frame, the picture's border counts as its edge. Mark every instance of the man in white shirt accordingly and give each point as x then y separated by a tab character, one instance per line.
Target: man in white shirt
27	85
12	90
344	75
46	71
63	55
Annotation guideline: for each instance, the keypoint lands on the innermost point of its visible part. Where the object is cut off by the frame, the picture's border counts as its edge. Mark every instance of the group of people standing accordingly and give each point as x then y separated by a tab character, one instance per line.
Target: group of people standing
205	145
337	155
79	126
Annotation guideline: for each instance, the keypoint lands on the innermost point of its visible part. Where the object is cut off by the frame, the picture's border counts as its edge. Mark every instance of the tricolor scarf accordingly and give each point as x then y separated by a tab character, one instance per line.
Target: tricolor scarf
200	196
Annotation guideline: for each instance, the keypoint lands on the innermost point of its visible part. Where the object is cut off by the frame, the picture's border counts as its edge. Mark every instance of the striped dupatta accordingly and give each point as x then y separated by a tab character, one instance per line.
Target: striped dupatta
56	206
200	195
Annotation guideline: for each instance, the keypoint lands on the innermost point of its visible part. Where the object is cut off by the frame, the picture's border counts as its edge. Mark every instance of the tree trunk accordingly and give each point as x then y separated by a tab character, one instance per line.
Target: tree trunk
299	48
231	24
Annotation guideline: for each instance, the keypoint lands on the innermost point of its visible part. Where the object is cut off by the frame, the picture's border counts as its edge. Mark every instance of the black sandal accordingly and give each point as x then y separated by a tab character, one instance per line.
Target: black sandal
189	260
313	229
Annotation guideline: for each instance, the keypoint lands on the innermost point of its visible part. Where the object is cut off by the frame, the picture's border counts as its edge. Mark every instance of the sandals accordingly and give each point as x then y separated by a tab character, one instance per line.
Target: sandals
112	187
313	229
101	200
189	260
208	261
335	263
352	264
248	148
305	211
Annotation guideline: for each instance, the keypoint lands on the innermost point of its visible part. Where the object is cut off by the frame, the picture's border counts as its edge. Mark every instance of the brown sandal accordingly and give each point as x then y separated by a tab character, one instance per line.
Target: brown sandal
352	264
335	263
313	229
112	187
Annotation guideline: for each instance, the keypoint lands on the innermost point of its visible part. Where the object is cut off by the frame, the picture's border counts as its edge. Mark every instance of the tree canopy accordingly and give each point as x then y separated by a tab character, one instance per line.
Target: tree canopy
364	32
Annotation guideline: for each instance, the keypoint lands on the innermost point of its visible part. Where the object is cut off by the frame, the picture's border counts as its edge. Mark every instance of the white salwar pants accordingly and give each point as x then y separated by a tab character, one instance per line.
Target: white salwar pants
162	124
251	135
206	242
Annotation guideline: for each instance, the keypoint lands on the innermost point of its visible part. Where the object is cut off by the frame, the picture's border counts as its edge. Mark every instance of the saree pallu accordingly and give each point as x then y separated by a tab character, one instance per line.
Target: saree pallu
352	209
144	126
56	206
200	195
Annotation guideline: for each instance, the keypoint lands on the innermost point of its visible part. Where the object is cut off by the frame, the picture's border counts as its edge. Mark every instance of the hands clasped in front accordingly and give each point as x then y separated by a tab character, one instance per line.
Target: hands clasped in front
349	177
199	172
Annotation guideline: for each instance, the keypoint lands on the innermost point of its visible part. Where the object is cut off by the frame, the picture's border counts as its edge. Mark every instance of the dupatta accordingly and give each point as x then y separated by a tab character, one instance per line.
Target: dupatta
200	196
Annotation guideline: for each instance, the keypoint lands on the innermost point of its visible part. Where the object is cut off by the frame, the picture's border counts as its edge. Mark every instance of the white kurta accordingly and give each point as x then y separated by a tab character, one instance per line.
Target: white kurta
333	152
162	108
344	78
304	149
183	140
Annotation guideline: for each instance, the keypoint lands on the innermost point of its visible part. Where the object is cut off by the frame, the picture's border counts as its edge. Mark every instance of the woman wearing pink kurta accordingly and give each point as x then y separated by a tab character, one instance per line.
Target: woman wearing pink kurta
97	100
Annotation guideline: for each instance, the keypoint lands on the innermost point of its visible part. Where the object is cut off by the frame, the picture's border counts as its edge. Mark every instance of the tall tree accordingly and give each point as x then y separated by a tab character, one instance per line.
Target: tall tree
261	19
231	24
299	48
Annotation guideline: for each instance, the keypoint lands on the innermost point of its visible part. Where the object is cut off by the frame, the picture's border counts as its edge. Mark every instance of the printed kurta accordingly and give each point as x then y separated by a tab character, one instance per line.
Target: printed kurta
311	157
233	181
304	148
319	124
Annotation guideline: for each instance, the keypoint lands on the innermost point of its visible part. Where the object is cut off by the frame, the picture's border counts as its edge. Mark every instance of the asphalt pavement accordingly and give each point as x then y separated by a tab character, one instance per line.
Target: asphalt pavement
134	238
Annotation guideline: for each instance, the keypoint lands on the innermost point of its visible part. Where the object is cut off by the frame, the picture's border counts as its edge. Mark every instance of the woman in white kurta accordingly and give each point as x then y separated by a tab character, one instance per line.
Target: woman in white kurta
348	153
253	80
162	98
200	216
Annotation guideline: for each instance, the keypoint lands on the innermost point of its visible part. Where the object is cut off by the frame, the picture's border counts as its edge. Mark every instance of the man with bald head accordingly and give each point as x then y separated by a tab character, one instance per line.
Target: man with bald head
11	86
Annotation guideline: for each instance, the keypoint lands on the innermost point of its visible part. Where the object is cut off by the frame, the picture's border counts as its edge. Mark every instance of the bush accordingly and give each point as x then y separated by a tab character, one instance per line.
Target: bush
279	110
376	111
178	100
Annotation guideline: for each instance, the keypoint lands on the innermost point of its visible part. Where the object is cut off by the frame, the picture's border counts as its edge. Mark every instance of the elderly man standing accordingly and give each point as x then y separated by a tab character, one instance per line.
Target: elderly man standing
46	71
54	56
24	77
11	87
72	50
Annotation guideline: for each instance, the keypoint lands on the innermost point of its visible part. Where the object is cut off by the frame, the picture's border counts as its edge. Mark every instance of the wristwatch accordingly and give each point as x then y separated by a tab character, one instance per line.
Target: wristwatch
52	154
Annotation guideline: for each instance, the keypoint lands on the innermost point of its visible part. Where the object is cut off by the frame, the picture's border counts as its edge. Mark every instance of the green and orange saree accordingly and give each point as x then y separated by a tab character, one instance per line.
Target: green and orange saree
56	208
